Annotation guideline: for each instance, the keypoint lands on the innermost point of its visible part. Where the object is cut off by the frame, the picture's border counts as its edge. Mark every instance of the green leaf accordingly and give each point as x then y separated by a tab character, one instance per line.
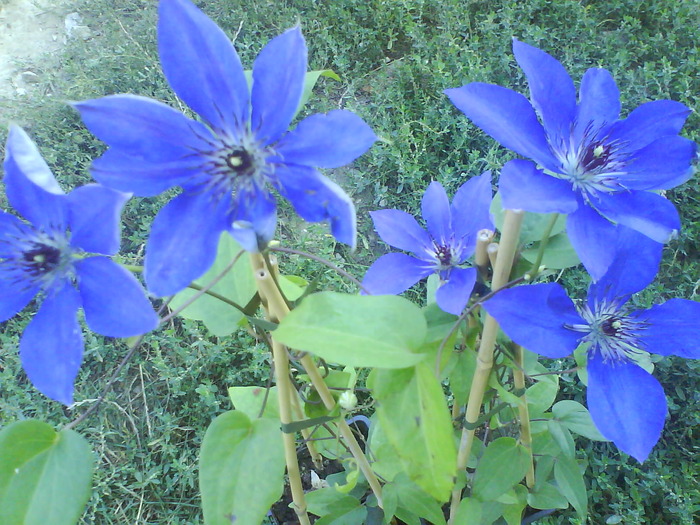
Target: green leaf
514	505
411	498
469	512
237	285
569	478
534	224
241	469
250	399
542	394
502	466
328	500
382	331
558	254
309	83
562	437
414	417
462	375
547	496
575	417
44	475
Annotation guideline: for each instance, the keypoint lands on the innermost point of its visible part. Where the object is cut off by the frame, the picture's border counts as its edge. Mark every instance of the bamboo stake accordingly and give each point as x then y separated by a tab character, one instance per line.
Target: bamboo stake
524	414
504	262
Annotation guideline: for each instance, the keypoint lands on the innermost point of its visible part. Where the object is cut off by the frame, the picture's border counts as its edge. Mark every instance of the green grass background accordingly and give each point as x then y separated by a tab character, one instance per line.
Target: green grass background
395	57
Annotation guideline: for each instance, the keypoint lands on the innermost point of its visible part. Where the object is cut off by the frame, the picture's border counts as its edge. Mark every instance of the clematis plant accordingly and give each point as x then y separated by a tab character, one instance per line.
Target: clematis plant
626	403
227	163
449	241
49	256
590	164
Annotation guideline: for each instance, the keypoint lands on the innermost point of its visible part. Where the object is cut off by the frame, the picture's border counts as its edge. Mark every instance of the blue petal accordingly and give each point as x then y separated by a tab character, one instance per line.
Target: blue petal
30	186
317	198
534	316
506	116
524	187
593	237
400	230
201	65
599	103
94	216
633	268
662	165
552	91
648	213
394	273
11	229
115	304
254	218
143	127
627	405
436	211
135	175
673	328
13	296
51	348
471	211
278	82
453	295
183	241
326	141
649	122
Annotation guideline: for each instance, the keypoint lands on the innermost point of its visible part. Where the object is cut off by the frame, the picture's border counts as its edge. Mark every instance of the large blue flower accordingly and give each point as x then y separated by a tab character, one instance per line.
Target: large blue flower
626	403
600	170
48	256
226	164
448	243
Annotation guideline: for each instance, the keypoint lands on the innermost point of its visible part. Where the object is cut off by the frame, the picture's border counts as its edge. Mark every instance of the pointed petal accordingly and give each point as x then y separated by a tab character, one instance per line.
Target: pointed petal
662	165
143	127
326	141
94	217
278	81
135	175
552	91
627	405
648	213
394	273
593	237
471	209
317	198
649	122
453	295
534	316
506	116
30	186
436	211
673	328
254	218
201	65
400	230
633	268
115	304
599	103
183	241
51	348
524	187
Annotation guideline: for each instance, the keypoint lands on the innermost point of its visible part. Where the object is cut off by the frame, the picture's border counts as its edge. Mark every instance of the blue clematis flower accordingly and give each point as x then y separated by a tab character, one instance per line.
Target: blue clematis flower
627	403
225	164
599	169
449	241
48	256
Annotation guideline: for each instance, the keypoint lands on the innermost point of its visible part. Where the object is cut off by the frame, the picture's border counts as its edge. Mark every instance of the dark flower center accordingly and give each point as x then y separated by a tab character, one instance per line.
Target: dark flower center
595	156
41	259
611	326
444	255
241	162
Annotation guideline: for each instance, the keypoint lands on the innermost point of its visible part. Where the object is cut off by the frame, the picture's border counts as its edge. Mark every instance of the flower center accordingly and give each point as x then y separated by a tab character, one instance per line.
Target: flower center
41	259
241	162
443	254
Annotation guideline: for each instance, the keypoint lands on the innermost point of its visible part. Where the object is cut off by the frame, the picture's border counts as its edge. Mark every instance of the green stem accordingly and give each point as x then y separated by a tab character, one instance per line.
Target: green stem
524	413
543	245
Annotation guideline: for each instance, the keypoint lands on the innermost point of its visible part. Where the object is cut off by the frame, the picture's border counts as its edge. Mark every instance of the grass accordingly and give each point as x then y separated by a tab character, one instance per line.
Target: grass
394	57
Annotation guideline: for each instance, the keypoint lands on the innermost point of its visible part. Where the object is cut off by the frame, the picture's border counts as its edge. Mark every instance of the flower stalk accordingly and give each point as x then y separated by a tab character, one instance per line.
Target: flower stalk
504	262
523	413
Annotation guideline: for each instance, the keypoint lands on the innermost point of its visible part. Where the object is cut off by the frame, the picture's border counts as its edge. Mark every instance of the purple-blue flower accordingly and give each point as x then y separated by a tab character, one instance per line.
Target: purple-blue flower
49	256
448	242
226	163
627	403
599	169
